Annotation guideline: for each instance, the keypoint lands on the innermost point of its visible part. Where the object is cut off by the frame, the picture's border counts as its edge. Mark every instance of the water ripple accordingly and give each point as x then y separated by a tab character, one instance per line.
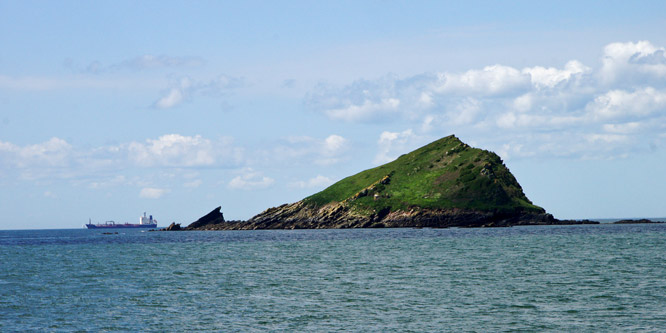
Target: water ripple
570	278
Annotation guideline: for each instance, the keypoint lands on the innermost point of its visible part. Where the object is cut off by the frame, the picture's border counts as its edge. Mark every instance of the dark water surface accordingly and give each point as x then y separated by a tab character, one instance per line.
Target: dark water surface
547	278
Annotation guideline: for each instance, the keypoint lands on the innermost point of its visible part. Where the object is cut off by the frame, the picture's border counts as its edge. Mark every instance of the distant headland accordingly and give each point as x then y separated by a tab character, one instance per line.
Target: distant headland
444	184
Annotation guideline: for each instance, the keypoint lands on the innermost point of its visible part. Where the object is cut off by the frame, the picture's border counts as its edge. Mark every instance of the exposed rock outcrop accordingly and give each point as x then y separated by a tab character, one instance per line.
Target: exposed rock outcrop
208	221
636	221
299	216
173	227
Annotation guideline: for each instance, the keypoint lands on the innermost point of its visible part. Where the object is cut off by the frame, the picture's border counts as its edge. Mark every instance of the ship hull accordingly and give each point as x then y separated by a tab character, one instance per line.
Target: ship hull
120	226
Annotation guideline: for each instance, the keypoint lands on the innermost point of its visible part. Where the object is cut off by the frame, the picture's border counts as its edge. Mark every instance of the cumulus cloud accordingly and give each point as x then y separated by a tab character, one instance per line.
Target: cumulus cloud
629	63
393	144
54	156
175	150
179	91
489	81
317	182
250	180
627	128
171	99
362	101
54	152
58	159
591	105
367	110
620	104
331	150
550	77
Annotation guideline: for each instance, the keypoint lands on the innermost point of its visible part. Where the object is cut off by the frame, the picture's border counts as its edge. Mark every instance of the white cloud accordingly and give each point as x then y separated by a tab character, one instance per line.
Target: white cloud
509	150
523	103
317	182
624	95
393	144
428	123
366	111
331	150
466	111
175	95
620	104
55	152
458	97
334	143
491	80
173	98
153	193
627	63
361	101
185	88
250	180
57	159
174	150
627	128
607	138
542	77
54	159
306	149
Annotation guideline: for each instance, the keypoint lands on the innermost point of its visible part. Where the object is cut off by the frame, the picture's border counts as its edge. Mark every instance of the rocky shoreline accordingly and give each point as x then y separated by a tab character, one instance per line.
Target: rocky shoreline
273	218
296	216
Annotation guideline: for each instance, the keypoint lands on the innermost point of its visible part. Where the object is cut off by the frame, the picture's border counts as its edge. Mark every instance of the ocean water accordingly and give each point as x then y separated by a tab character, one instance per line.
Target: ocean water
540	278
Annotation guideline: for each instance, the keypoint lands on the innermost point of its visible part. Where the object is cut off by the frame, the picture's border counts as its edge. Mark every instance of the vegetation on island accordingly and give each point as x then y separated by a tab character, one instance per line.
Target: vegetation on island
444	174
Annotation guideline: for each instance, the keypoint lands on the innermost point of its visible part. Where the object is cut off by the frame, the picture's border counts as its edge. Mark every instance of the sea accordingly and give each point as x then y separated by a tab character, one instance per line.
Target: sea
580	278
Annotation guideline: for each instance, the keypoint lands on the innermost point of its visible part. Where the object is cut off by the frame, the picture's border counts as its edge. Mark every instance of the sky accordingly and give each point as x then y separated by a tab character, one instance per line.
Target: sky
109	109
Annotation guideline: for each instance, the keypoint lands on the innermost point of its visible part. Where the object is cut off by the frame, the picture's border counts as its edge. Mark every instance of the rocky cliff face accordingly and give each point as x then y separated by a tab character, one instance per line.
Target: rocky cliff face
301	216
444	184
298	216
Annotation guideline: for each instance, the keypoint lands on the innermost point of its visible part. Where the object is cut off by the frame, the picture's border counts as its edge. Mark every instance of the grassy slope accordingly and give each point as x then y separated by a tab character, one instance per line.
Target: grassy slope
444	174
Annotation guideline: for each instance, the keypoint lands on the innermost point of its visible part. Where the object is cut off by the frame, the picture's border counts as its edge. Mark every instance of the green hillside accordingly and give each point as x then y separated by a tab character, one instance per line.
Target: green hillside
444	174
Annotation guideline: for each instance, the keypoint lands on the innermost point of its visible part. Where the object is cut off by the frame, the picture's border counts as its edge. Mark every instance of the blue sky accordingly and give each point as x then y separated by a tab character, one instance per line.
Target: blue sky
111	108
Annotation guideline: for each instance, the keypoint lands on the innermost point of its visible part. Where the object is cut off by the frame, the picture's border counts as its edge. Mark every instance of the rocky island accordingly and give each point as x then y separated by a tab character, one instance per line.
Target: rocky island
640	221
446	183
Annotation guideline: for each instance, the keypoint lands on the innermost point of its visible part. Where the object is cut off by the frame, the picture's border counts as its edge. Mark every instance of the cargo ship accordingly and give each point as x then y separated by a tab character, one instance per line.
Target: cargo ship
144	222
